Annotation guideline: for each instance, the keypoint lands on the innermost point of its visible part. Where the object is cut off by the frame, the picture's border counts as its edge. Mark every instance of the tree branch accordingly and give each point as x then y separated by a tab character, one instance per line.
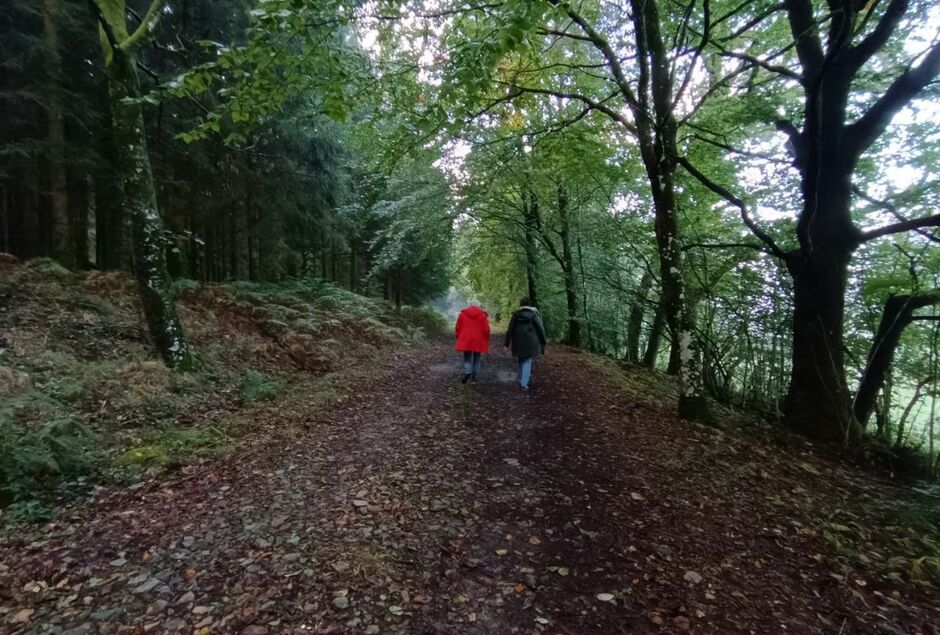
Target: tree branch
891	209
806	34
105	26
591	103
756	247
869	127
149	20
772	68
879	36
734	200
703	42
573	36
602	45
897	228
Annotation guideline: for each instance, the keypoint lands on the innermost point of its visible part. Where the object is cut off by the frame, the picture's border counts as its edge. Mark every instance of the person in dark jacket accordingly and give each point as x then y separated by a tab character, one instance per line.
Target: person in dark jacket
526	336
473	339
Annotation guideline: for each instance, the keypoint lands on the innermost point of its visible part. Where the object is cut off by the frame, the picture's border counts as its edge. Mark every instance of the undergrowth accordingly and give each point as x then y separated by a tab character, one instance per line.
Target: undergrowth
83	400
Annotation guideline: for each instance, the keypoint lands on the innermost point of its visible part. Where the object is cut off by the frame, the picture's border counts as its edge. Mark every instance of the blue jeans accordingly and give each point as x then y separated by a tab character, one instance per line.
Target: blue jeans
471	363
525	371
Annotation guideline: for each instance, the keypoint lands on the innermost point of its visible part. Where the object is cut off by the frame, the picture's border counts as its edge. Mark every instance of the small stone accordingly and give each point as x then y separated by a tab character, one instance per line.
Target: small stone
147	586
605	597
692	576
360	502
201	610
290	557
186	598
372	629
341	602
188	541
157	607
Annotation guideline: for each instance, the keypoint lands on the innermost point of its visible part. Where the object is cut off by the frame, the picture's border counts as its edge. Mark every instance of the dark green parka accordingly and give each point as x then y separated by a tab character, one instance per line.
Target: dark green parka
526	333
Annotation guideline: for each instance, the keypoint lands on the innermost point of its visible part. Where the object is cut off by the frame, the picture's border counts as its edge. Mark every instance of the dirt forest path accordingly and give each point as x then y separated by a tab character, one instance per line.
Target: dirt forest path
425	506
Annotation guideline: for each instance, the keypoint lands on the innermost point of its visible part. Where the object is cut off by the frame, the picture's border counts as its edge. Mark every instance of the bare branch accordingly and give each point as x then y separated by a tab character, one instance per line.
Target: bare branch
880	35
737	202
891	209
897	228
602	45
806	34
591	103
567	34
772	68
869	127
706	34
439	14
754	246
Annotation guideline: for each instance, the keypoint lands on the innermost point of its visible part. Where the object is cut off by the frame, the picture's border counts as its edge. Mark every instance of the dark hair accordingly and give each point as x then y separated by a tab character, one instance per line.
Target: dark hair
525	302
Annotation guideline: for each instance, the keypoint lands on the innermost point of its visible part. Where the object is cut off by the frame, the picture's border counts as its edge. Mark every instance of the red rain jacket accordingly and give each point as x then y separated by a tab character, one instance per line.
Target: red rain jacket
473	330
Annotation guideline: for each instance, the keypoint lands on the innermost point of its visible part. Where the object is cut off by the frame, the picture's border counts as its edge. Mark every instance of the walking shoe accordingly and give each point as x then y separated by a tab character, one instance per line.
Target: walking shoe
466	378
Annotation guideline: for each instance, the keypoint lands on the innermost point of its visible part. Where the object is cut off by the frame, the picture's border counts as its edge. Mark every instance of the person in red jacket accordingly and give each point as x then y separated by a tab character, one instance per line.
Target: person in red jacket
473	339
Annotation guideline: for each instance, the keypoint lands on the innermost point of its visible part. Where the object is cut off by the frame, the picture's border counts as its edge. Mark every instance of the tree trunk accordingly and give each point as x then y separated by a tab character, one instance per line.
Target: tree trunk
655	338
883	411
567	264
353	266
898	312
635	319
530	212
78	203
817	401
112	225
133	161
62	247
657	141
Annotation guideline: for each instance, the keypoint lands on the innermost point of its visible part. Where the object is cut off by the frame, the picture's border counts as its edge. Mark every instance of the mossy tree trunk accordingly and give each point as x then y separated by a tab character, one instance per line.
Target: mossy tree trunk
133	164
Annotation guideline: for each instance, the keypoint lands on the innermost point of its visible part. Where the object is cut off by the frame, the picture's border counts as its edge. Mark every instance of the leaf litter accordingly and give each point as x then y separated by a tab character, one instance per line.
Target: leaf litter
424	505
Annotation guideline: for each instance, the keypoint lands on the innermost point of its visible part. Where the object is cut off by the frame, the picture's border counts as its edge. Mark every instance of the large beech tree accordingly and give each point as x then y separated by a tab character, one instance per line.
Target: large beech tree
851	86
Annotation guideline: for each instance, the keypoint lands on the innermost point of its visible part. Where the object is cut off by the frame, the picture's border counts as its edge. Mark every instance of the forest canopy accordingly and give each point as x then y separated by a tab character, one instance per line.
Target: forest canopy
742	195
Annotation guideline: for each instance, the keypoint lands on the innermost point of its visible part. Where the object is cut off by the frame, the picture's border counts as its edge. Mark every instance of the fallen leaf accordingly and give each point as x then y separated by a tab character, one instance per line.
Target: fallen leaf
637	496
23	615
681	622
534	540
502	552
605	597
